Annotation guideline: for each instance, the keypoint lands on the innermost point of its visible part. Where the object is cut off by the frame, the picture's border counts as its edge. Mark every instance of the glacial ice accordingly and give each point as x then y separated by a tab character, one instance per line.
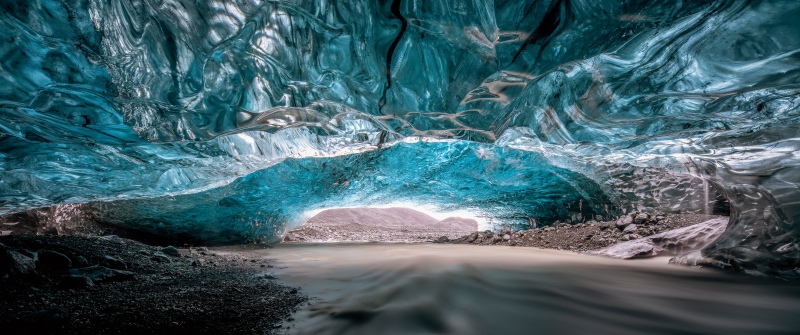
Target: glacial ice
225	121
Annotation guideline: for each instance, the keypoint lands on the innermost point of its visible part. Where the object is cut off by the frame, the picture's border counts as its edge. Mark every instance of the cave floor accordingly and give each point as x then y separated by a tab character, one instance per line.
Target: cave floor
138	288
385	288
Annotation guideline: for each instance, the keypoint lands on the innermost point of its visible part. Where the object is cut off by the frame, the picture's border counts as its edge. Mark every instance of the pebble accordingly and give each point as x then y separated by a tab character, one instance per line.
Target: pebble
160	257
114	263
171	251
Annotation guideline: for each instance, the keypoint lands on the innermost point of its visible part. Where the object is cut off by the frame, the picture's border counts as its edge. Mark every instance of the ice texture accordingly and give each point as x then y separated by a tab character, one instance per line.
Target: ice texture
228	120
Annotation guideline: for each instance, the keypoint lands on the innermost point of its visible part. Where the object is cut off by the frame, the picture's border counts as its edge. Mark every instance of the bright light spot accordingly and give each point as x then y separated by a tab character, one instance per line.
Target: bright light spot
428	209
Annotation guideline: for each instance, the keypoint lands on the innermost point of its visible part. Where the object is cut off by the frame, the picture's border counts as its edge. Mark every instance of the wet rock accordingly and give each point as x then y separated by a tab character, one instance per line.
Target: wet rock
160	257
99	274
114	263
81	261
53	262
171	251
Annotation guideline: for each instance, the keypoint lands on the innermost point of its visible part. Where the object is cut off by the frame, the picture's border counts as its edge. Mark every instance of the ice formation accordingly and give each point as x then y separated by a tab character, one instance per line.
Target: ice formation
226	120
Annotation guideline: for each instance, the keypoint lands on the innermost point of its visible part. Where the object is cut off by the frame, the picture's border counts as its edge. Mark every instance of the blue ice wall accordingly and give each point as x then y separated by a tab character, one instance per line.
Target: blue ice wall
616	105
503	185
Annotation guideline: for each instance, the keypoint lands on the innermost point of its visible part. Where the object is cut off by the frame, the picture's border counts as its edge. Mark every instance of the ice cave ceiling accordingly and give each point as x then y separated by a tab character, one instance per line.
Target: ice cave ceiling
228	120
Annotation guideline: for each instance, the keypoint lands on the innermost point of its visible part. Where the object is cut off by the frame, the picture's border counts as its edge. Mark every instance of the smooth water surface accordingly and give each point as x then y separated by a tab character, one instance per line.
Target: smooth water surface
459	289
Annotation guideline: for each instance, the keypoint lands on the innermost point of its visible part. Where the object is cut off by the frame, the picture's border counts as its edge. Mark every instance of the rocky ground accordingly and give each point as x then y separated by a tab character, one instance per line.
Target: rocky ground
110	285
583	237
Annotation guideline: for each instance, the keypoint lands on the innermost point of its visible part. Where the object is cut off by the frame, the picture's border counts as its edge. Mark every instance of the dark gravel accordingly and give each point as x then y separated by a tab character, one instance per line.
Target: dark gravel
591	235
119	286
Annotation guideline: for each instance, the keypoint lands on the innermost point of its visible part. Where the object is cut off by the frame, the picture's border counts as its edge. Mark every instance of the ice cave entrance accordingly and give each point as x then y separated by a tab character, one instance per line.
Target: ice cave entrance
383	224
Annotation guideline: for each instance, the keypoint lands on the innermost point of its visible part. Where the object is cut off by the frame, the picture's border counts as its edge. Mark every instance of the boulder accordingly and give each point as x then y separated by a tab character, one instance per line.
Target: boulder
53	262
13	262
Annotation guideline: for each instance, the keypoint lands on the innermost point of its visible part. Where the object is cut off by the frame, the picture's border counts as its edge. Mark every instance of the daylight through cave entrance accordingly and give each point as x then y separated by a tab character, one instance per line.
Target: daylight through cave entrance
389	224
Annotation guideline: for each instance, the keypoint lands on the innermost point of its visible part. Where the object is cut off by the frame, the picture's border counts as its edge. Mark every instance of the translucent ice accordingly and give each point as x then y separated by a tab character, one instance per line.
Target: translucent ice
226	120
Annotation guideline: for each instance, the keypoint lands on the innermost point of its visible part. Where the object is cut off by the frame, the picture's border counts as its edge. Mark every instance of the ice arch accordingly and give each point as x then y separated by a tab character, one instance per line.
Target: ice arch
226	118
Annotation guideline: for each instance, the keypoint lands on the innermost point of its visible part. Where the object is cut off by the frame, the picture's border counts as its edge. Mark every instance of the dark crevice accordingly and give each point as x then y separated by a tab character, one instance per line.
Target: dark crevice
390	54
549	26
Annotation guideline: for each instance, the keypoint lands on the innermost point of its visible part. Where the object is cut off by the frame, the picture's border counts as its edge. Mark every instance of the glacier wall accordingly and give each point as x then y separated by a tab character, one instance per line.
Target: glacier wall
225	121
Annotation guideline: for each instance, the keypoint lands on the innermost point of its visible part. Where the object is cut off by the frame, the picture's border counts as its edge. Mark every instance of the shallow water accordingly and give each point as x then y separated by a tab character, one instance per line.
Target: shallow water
462	289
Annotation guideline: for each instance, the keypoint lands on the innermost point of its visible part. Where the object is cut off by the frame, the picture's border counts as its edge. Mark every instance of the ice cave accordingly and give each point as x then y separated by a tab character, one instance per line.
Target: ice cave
225	121
228	122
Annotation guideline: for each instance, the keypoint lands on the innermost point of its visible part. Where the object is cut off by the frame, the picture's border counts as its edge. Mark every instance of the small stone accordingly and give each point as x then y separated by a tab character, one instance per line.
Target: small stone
629	228
111	238
506	237
442	239
171	251
624	222
114	263
160	257
199	262
53	261
99	274
549	229
641	218
81	261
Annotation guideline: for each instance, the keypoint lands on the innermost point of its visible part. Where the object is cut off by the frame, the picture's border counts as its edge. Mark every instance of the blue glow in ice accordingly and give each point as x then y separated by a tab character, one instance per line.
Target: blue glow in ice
224	120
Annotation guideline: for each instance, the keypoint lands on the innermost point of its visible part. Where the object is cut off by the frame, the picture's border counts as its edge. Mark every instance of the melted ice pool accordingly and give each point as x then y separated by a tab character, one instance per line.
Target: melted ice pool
460	289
